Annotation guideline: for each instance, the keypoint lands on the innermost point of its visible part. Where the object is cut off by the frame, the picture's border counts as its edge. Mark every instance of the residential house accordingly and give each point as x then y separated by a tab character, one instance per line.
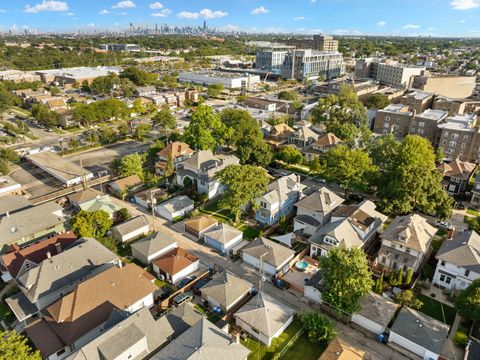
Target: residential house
31	224
225	291
201	169
313	287
456	175
405	243
145	197
279	199
131	229
419	333
322	145
57	275
375	314
17	260
144	91
264	318
80	316
350	226
182	318
175	265
101	202
81	197
10	204
223	237
152	247
279	134
475	201
203	341
176	152
134	336
458	261
198	225
64	116
275	257
340	350
315	210
121	186
176	207
302	137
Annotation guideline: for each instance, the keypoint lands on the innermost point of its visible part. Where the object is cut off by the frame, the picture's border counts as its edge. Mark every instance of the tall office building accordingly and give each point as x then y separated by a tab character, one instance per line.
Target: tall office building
325	43
310	64
271	58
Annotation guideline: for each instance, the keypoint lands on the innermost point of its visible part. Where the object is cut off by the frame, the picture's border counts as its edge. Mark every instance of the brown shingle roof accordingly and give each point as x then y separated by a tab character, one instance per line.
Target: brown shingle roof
124	183
338	350
327	140
175	261
200	223
174	150
457	168
44	338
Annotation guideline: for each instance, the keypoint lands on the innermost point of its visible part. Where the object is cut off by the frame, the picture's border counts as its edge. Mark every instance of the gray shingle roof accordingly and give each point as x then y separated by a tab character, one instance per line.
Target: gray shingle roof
223	233
226	288
378	309
341	230
265	313
421	329
13	203
203	341
463	250
323	201
60	270
276	254
153	243
278	190
182	318
177	203
131	225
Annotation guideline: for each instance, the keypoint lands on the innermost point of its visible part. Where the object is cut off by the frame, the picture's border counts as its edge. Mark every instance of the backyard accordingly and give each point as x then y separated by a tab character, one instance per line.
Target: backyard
433	308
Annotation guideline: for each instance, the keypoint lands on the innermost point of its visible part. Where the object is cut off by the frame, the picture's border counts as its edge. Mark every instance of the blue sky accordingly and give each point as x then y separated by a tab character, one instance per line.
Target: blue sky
371	17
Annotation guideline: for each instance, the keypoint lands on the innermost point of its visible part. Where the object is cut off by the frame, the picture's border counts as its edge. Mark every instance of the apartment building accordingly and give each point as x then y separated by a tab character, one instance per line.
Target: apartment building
388	72
458	136
394	119
271	58
325	43
417	100
310	64
452	106
426	124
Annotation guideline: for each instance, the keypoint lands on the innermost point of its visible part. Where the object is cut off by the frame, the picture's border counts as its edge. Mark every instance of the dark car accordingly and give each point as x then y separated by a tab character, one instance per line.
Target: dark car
185	281
355	197
196	288
162	294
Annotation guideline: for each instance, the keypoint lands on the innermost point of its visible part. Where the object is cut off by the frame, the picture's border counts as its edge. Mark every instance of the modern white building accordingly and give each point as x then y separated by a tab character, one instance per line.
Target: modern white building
227	79
458	261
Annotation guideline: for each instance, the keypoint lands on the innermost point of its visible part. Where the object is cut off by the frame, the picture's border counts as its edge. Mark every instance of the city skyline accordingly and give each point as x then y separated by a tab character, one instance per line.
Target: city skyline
458	18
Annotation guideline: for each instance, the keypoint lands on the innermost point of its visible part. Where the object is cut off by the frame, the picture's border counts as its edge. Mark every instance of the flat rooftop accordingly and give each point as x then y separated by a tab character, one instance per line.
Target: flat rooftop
397	108
419	95
58	166
437	115
459	122
81	72
217	74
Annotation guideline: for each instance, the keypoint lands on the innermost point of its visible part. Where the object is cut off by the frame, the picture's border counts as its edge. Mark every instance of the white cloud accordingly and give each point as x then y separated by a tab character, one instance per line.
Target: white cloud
123	13
209	14
411	27
260	10
46	5
465	4
126	4
296	18
188	15
70	14
104	12
204	13
156	6
163	13
381	23
313	1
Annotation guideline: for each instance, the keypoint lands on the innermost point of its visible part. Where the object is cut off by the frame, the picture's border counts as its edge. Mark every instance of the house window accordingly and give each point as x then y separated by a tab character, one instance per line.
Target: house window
407	250
263	204
445	279
27	266
255	330
60	352
467	272
383	259
442	263
421	124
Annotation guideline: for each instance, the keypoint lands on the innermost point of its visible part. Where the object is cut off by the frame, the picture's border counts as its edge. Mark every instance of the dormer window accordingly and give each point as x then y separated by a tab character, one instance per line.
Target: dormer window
402	238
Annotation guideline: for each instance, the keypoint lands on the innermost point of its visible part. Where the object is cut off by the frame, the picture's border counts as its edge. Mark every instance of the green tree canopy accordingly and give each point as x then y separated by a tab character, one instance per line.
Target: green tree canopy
287	95
383	149
319	328
407	298
243	184
15	346
346	278
289	155
142	131
100	111
139	77
132	164
91	224
205	130
468	302
44	115
377	101
242	123
411	181
255	151
165	120
215	90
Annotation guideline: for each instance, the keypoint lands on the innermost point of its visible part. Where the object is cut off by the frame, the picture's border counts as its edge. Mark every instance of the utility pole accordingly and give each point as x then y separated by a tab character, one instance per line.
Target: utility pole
153	201
84	178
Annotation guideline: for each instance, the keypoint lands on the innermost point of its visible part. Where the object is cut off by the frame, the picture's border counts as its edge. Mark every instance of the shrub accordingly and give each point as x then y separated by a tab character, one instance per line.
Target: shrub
460	338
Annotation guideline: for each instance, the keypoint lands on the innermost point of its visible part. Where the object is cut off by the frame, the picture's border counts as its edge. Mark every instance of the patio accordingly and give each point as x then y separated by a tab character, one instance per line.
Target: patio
297	278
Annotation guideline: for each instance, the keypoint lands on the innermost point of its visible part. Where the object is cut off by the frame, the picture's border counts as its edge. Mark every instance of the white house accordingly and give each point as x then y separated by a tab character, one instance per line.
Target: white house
419	333
176	207
376	313
223	237
131	229
264	318
275	257
175	265
152	247
312	289
458	261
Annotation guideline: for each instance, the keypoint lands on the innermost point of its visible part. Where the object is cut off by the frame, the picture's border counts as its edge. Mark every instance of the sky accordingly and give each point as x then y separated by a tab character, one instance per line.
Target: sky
337	17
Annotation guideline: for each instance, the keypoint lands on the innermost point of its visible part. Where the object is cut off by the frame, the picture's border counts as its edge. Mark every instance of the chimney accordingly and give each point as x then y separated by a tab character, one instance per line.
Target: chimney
236	337
58	247
450	233
7	214
49	254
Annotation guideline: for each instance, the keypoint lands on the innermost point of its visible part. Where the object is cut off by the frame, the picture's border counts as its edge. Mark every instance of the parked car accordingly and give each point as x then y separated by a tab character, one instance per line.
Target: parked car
196	288
444	225
181	298
355	197
185	281
162	294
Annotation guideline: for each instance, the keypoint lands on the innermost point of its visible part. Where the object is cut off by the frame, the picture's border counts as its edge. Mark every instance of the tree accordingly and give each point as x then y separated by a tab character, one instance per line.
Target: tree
407	298
346	278
408	276
318	327
131	164
123	215
315	164
383	149
138	77
123	129
243	184
125	88
73	143
243	125
378	288
400	276
103	85
411	181
287	95
377	101
44	115
468	302
289	155
215	90
4	167
254	151
439	155
142	131
205	130
91	224
10	155
165	120
352	169
15	346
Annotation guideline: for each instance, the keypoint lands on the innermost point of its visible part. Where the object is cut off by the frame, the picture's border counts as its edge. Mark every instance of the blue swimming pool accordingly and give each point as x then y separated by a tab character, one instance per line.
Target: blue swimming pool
301	265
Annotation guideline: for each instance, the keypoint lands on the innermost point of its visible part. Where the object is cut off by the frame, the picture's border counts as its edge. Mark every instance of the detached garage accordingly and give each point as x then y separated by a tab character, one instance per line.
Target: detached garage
376	313
223	238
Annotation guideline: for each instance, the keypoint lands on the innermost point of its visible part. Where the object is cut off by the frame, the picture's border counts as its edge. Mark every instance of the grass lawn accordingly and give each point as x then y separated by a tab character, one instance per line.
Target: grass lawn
6	314
260	351
473	212
433	308
249	232
304	349
210	315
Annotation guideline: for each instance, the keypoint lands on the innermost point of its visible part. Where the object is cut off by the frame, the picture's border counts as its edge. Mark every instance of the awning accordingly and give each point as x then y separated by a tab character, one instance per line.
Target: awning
285	239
